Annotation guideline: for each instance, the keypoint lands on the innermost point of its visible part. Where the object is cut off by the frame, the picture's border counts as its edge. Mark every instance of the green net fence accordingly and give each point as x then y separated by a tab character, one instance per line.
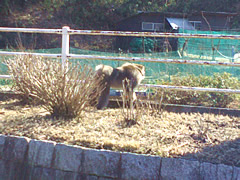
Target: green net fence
188	49
209	49
153	70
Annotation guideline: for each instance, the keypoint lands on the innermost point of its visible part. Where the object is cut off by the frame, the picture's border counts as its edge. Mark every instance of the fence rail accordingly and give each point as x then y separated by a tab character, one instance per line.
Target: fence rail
31	30
66	32
186	88
152	34
5	53
119	33
119	58
153	60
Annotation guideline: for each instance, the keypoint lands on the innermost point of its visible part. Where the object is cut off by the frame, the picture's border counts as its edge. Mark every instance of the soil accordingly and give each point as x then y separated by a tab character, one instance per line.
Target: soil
205	137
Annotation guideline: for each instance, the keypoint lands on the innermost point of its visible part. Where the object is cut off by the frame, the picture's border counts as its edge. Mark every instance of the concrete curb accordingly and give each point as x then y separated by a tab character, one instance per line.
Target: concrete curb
177	108
24	158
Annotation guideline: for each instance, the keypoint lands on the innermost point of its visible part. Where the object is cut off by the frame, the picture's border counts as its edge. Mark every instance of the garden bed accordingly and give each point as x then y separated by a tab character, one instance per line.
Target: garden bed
205	137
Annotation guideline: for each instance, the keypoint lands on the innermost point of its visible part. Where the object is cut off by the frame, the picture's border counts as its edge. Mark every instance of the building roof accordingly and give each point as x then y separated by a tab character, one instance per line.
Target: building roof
182	15
215	13
182	23
193	13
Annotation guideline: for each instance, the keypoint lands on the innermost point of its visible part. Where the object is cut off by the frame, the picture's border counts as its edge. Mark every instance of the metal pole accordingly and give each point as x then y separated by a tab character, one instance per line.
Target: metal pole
5	77
31	30
233	53
152	34
65	45
152	60
7	53
186	88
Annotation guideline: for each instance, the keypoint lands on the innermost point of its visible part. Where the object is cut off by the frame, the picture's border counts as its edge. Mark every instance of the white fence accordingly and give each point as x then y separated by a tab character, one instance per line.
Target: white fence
66	32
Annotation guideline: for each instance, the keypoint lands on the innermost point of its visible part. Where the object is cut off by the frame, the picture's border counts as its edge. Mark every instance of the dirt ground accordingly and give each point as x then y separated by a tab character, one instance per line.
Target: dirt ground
206	137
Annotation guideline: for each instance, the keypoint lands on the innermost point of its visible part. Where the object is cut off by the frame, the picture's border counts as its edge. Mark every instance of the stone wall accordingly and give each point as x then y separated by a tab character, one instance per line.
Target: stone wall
23	158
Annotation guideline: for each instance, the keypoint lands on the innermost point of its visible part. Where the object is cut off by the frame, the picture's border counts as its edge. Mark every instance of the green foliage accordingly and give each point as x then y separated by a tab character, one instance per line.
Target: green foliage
105	13
108	12
204	5
142	45
224	81
51	5
6	6
7	82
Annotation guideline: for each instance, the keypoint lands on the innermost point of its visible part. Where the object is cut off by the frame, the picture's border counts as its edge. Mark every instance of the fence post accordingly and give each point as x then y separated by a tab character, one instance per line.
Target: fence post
65	45
233	52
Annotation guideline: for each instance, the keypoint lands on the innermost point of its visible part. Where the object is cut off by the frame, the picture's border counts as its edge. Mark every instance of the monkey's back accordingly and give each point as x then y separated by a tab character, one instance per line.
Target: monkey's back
133	72
113	77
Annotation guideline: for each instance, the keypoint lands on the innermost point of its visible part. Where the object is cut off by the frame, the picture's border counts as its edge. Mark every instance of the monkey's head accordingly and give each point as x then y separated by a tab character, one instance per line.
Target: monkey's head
104	71
141	69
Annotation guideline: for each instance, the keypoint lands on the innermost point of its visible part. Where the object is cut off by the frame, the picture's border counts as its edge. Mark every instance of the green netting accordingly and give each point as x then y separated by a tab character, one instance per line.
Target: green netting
142	45
156	70
209	49
198	49
153	69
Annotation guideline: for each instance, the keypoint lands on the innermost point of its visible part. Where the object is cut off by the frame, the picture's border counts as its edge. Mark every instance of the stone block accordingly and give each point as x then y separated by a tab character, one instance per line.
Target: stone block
173	168
211	171
236	173
91	178
4	170
208	171
224	172
11	170
68	158
140	167
101	163
66	175
2	142
15	148
40	153
48	174
102	178
40	173
35	173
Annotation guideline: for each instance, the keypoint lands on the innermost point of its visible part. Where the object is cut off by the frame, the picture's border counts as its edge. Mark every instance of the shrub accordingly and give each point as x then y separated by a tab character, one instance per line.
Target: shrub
129	110
63	92
224	80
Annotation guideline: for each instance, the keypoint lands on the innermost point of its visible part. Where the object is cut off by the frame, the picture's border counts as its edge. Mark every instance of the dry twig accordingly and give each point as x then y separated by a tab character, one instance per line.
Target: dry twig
63	92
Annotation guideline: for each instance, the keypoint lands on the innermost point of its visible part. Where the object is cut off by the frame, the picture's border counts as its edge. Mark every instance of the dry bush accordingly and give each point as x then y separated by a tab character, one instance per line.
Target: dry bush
153	104
134	108
63	92
131	108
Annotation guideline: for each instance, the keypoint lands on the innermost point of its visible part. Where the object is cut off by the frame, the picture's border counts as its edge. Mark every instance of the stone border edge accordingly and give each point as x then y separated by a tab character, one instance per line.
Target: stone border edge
21	157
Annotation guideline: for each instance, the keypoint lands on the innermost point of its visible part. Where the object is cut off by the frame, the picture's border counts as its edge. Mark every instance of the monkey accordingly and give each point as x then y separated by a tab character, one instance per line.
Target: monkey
113	78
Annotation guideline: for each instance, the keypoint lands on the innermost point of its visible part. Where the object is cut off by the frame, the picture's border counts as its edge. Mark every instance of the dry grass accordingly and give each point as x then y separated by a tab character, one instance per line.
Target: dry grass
207	137
131	111
63	91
